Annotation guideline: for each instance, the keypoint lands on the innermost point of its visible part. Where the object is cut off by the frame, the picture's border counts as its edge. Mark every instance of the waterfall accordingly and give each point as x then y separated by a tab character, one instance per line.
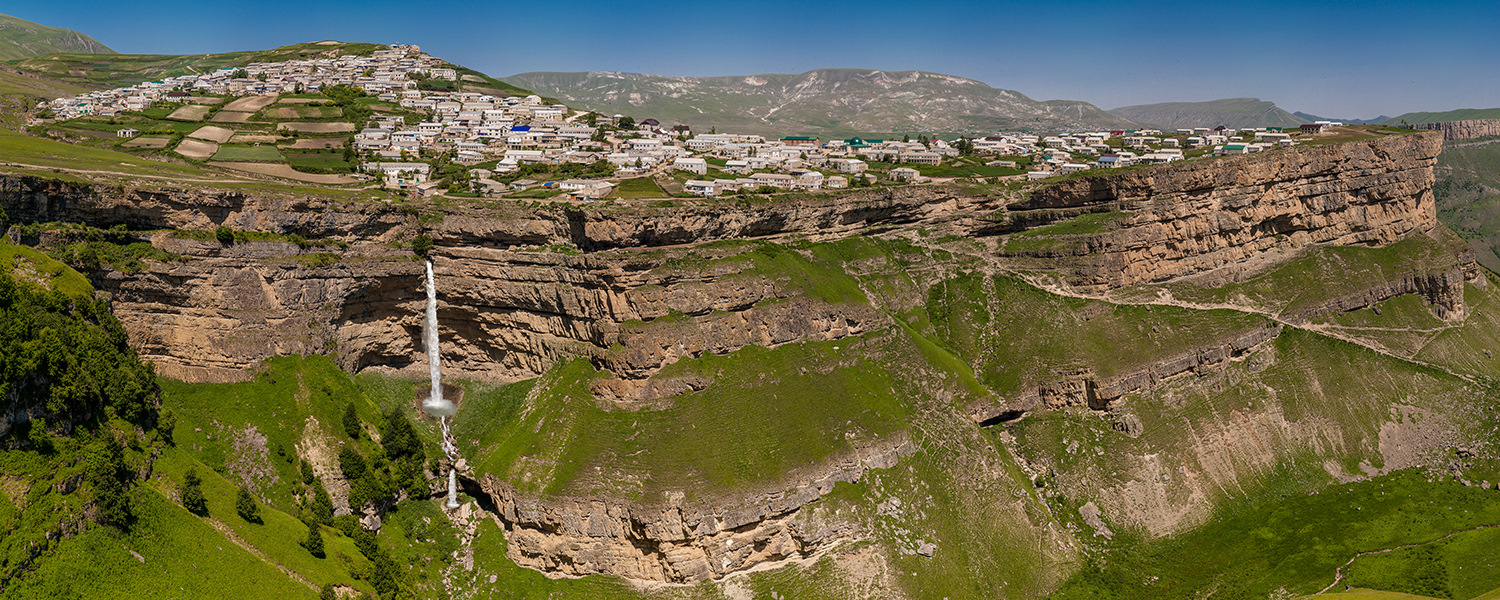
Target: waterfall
435	404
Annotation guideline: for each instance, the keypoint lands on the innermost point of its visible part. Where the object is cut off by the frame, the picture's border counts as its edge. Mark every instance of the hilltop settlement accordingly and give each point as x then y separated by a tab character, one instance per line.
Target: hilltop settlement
401	119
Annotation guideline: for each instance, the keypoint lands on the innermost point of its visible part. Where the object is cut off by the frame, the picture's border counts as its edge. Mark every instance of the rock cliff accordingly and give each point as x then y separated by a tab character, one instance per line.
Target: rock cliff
635	289
1198	216
1463	130
676	542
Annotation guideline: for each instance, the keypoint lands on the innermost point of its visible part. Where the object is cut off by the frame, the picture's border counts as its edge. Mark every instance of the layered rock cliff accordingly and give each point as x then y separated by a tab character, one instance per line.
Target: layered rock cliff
1197	216
676	542
1463	130
635	290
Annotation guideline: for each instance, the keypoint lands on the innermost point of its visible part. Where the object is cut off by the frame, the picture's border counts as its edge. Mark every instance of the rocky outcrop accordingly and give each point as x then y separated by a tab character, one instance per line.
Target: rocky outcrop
209	318
1443	289
1084	388
1197	216
676	541
1463	130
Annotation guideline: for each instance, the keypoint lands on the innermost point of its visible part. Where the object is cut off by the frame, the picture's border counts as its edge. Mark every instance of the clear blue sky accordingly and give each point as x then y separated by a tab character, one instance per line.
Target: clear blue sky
1338	59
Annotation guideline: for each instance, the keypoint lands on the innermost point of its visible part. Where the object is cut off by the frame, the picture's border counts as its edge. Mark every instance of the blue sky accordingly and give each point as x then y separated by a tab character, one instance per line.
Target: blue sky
1338	59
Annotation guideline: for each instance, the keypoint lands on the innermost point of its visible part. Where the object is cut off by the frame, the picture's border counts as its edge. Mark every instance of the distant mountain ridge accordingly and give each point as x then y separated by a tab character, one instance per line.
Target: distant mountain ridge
1229	112
1462	114
20	38
1311	118
818	102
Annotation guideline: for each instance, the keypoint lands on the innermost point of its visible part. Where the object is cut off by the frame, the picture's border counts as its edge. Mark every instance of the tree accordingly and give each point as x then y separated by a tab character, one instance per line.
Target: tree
240	74
108	477
399	438
314	541
322	505
906	138
4	220
224	234
191	494
166	423
626	123
352	464
307	473
36	433
351	421
964	145
246	506
421	245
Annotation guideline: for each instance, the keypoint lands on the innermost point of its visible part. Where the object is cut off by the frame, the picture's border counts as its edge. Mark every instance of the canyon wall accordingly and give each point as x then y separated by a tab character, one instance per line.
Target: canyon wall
676	542
1193	217
521	287
634	289
1463	130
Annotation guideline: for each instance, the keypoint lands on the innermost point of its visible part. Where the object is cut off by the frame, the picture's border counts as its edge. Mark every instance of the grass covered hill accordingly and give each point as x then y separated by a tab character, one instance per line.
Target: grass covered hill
20	38
1468	194
121	70
1229	112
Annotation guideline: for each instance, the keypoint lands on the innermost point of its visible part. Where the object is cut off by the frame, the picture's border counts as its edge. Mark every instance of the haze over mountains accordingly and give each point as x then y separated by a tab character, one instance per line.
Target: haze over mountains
1229	112
867	101
20	38
818	102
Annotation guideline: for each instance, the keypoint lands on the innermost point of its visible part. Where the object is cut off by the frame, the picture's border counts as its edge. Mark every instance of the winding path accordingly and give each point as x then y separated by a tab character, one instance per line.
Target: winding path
1338	574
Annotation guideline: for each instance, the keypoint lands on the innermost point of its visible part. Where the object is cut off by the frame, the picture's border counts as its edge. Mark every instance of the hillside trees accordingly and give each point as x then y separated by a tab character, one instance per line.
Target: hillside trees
246	506
191	494
351	422
110	481
65	358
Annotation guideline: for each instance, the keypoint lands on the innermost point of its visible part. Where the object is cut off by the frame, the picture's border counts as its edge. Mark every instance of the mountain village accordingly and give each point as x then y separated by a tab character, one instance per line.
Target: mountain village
510	144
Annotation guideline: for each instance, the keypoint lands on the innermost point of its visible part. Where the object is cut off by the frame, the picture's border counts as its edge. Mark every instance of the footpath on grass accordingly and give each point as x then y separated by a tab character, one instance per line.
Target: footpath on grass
1338	574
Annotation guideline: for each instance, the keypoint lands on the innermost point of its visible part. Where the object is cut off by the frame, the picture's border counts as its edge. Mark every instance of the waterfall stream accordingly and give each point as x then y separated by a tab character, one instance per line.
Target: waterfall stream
435	404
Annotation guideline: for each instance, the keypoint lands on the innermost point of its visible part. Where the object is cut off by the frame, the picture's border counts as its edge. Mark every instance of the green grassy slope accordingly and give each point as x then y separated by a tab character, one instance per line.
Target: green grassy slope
1468	195
20	38
1293	542
182	556
1017	335
119	70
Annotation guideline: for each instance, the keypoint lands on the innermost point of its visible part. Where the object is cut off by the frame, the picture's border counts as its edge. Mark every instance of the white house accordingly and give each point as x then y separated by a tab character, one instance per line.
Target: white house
776	180
905	174
809	180
851	165
691	165
707	189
